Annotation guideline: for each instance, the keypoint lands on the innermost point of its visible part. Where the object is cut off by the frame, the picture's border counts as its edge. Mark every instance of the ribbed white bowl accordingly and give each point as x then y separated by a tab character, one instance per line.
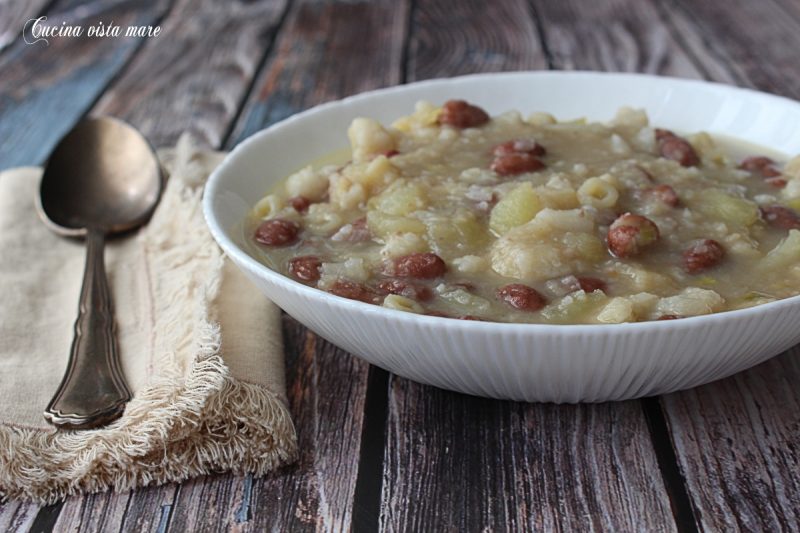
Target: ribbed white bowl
519	361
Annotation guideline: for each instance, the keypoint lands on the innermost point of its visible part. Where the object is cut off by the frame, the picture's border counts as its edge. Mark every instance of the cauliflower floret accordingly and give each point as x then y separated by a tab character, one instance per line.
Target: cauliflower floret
368	139
346	194
307	183
373	175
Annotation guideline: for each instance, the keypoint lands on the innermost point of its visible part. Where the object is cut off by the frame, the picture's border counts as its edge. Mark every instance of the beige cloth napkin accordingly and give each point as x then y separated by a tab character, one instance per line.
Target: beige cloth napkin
201	349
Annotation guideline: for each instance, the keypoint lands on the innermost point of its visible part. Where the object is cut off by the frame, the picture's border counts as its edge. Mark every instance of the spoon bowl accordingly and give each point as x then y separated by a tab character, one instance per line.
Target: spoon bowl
102	175
102	178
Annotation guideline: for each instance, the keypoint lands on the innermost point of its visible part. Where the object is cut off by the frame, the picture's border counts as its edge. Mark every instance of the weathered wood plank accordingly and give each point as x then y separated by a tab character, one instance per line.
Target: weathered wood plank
95	512
46	88
150	509
738	445
614	35
141	510
194	76
713	66
329	49
791	8
14	15
326	395
45	519
736	439
460	463
211	503
17	516
755	40
452	38
326	386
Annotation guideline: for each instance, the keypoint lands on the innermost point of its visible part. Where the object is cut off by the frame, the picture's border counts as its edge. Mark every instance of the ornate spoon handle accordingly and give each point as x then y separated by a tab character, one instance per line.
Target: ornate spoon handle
93	390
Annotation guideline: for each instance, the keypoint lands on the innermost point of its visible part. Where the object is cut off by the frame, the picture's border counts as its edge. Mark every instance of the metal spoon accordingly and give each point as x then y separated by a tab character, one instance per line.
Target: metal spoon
102	178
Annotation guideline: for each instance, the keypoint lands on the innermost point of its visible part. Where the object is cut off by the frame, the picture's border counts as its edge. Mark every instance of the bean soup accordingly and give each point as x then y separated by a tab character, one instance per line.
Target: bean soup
453	213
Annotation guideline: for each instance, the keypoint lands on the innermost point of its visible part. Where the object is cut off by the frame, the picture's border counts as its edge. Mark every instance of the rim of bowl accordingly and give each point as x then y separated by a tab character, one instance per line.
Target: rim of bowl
231	248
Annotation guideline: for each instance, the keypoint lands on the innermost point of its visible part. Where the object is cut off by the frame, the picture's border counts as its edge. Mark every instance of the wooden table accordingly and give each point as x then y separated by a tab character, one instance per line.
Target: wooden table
378	451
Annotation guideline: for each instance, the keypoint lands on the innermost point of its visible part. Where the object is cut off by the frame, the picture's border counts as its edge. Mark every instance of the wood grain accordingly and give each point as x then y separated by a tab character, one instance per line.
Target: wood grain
326	386
738	445
220	497
707	60
94	512
46	88
14	15
326	394
614	36
736	440
460	463
141	510
756	40
194	76
327	390
17	516
329	49
453	38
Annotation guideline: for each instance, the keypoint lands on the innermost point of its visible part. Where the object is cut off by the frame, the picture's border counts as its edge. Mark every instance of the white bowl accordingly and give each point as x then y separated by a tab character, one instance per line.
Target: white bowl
519	361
